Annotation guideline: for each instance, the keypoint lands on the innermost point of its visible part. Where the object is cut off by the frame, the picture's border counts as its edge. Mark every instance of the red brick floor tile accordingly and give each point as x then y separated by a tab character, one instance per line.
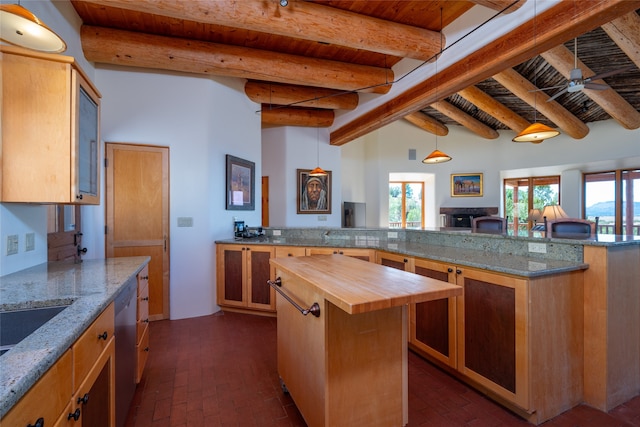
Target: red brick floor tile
221	370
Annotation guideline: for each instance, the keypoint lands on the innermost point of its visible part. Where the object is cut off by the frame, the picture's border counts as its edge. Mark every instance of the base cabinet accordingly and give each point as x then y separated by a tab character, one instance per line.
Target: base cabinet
242	274
142	322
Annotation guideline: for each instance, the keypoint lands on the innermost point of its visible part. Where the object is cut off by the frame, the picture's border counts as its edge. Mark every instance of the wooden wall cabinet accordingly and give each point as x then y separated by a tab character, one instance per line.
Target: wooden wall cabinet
142	323
242	274
50	130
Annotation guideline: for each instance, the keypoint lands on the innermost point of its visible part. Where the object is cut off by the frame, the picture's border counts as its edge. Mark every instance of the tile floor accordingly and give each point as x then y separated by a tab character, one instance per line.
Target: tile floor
220	370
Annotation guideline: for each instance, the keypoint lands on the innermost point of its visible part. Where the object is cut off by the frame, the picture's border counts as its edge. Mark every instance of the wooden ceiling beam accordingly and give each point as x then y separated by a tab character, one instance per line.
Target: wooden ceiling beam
291	116
525	90
501	5
562	59
300	96
494	108
119	47
428	123
562	22
300	19
465	120
625	32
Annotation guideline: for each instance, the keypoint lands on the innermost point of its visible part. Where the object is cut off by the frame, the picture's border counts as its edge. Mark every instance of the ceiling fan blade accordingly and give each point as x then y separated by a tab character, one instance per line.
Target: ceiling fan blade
548	88
595	86
556	95
609	73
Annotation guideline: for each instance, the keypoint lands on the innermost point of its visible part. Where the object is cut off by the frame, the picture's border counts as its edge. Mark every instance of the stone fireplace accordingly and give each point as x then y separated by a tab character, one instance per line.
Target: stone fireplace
461	217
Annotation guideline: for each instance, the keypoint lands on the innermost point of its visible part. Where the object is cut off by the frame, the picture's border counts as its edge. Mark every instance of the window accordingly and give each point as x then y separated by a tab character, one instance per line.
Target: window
406	205
519	200
613	197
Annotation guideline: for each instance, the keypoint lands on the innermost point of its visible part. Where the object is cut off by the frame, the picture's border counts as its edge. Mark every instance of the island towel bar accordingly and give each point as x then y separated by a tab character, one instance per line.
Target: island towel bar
314	309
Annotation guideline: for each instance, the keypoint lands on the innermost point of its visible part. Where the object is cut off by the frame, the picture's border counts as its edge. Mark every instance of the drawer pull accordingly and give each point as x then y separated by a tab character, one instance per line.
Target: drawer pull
75	415
103	336
145	277
39	423
84	399
145	299
146	349
145	321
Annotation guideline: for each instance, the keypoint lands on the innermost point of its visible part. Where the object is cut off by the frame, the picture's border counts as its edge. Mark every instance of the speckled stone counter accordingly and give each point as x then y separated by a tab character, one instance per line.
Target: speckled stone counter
87	288
498	253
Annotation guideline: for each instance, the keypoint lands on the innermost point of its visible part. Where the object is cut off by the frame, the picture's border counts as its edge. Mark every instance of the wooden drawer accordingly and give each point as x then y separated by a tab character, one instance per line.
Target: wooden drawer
143	278
54	388
91	344
143	304
142	350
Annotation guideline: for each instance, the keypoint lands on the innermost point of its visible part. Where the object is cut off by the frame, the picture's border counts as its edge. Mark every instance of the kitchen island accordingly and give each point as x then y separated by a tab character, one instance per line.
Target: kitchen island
348	365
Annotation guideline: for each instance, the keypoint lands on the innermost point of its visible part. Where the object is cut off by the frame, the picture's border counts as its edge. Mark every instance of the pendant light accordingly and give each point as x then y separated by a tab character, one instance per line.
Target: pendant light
22	28
436	155
536	132
318	171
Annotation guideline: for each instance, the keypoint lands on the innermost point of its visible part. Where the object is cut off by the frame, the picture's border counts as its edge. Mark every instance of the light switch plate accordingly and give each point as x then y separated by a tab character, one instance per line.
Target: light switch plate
30	242
12	244
540	248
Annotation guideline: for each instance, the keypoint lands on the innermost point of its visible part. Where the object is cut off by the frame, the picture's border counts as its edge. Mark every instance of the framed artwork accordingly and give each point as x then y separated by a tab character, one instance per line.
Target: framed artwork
241	180
466	184
314	193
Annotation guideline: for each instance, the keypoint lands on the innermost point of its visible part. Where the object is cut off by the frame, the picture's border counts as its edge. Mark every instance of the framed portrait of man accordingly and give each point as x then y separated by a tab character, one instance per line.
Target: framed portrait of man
314	193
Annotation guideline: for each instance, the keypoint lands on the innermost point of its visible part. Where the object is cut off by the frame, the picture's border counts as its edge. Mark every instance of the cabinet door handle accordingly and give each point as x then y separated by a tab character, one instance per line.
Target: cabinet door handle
450	270
103	336
145	299
458	271
84	399
146	349
405	260
39	423
75	415
79	197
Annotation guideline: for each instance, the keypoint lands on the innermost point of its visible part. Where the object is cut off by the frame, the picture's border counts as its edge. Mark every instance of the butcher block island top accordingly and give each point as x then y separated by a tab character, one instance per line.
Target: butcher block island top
357	286
347	364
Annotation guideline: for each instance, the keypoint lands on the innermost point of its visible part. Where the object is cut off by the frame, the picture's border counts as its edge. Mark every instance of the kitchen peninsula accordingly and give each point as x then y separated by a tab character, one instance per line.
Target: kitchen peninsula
572	311
64	352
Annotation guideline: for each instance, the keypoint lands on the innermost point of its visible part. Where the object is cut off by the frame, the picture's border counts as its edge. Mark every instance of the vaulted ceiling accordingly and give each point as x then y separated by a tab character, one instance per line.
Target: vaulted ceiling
311	61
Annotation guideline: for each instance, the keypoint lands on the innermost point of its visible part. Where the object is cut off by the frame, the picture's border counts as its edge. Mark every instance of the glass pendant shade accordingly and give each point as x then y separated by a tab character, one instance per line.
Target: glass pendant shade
318	172
22	28
436	156
536	133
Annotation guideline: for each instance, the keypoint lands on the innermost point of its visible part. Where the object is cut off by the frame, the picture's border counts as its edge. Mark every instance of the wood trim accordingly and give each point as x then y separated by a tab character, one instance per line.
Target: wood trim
562	22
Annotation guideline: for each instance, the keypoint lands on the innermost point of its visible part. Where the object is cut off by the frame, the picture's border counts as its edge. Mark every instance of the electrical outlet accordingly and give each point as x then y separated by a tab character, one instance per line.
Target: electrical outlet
540	248
30	241
277	233
322	217
392	235
12	244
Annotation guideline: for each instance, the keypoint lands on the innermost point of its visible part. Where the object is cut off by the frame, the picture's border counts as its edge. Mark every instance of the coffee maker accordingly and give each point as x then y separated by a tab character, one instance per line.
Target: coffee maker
238	228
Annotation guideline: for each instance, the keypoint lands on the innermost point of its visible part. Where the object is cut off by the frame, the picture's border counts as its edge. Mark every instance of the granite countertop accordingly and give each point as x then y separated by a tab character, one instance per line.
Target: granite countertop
482	258
87	288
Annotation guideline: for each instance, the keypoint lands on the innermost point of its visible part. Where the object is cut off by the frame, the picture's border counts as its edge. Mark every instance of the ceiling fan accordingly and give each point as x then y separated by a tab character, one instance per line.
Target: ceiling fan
577	82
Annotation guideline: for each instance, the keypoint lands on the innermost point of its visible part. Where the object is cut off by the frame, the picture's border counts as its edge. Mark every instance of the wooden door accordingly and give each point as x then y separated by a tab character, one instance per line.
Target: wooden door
137	214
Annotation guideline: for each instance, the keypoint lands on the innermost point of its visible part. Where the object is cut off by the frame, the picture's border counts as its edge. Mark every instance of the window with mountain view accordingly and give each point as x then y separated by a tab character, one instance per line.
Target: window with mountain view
613	197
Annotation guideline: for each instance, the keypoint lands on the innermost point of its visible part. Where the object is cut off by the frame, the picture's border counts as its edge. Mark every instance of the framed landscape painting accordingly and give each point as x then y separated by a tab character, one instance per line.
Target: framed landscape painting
466	184
241	177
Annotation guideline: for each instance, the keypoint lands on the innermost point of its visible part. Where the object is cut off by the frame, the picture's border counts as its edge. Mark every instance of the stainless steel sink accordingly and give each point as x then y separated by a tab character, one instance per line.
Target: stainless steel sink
18	324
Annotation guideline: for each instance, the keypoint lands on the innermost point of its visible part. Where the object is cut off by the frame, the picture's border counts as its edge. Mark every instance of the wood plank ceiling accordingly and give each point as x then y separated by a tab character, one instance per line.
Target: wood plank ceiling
310	60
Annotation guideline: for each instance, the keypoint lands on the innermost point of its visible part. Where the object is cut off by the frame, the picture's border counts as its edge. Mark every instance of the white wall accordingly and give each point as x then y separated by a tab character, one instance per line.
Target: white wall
284	151
385	151
200	120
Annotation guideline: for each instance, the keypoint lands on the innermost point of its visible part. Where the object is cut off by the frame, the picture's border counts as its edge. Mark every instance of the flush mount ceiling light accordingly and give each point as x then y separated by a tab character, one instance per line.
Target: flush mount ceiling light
20	27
